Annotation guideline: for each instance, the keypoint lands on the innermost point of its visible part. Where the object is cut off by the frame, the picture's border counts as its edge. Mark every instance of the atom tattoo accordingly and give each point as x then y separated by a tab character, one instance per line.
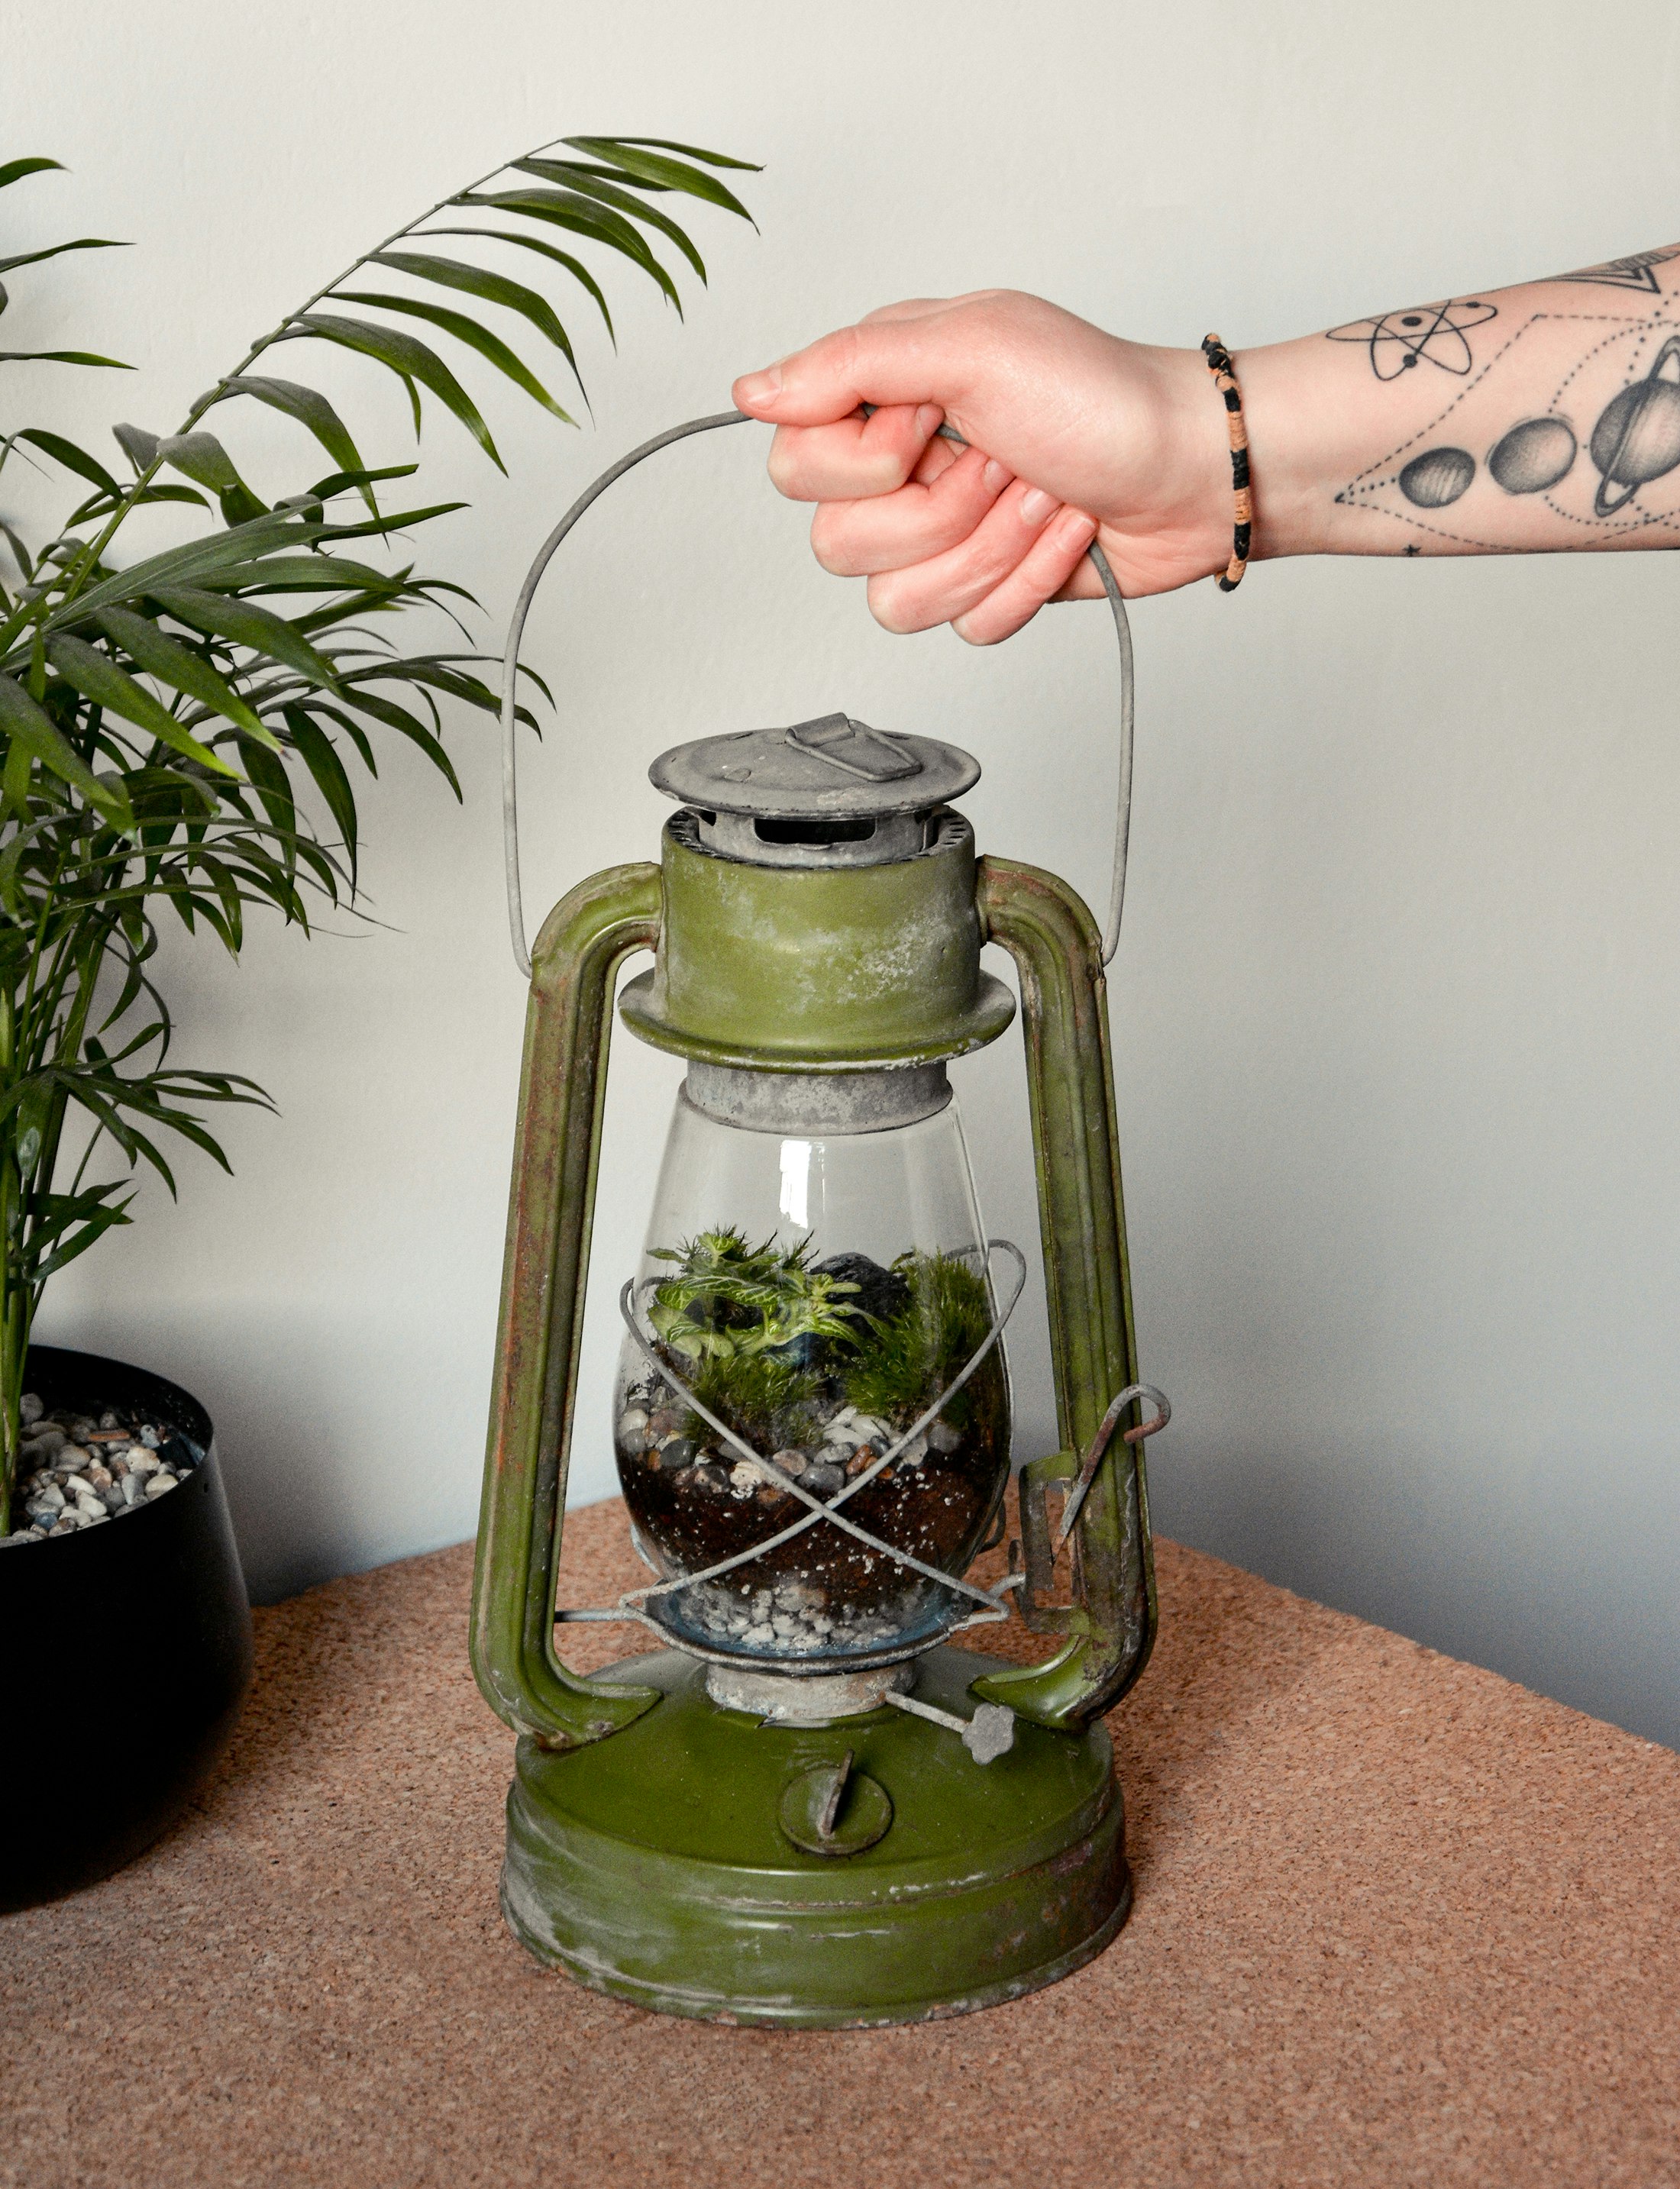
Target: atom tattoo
1434	333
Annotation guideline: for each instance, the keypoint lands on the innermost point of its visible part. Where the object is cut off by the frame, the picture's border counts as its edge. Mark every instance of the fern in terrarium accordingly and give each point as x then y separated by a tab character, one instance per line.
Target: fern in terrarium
731	1300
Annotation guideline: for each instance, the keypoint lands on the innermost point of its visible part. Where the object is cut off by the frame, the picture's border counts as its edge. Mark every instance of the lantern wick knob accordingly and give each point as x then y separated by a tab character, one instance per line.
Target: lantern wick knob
988	1734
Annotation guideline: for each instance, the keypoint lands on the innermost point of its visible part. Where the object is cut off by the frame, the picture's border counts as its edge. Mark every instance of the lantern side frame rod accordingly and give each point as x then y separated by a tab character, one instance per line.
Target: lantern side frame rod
534	577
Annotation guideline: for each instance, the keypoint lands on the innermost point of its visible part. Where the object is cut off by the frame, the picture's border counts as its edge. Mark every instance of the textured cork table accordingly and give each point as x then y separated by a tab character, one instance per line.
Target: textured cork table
1397	1921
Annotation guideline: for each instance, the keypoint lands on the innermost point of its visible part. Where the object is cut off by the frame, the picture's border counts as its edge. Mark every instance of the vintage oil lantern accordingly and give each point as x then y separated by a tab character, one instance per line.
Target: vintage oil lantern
808	1805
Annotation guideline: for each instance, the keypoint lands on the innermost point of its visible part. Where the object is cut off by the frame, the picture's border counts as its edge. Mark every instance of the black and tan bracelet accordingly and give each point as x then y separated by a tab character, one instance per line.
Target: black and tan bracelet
1225	379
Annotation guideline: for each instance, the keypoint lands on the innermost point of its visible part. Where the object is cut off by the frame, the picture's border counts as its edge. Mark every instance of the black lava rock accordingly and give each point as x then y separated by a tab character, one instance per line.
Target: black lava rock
880	1293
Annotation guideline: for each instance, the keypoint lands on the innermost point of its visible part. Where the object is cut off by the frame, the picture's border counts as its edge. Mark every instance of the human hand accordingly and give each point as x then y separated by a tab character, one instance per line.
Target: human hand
1073	433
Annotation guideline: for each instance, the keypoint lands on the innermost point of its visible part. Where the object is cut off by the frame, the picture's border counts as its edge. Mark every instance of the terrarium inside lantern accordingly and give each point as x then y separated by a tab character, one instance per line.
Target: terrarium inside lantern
813	1287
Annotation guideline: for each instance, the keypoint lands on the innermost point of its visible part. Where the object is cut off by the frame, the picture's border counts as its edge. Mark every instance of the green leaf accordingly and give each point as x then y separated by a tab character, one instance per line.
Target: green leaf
201	456
410	360
52	250
587	193
328	771
342	481
14	171
490	288
609	193
399	522
469	331
575	266
72	458
246	624
309	409
356	694
636	157
268	772
568	209
167	659
93	1227
196	558
139	446
167	492
33	727
308	573
62	357
688	151
99	678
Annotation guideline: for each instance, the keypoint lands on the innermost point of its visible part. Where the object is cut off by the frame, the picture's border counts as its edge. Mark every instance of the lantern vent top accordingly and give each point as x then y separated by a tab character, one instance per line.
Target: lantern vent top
832	768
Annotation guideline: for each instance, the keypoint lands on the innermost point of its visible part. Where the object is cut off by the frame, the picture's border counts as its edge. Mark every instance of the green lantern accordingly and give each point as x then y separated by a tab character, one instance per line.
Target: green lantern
809	1805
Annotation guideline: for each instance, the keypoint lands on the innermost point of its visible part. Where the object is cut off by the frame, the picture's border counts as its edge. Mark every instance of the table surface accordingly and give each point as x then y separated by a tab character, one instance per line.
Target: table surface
1397	1921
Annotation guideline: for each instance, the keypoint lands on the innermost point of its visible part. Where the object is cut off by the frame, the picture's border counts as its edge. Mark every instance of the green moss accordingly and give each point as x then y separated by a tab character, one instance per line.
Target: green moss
770	1403
906	1360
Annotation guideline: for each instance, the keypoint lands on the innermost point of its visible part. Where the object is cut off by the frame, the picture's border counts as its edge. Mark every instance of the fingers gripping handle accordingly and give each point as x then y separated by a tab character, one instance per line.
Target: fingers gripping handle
522	608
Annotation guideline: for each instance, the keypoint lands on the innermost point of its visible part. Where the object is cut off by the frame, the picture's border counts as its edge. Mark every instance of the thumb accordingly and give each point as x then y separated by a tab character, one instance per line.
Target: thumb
882	361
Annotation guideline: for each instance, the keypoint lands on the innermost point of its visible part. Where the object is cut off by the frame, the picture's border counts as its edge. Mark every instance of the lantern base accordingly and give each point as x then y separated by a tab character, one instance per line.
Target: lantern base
665	1865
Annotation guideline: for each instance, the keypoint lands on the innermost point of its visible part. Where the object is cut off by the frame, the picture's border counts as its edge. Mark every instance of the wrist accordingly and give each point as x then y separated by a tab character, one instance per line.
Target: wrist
1303	447
1196	446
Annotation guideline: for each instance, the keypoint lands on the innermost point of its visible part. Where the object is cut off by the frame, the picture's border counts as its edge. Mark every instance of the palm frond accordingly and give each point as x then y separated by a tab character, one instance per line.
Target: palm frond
170	727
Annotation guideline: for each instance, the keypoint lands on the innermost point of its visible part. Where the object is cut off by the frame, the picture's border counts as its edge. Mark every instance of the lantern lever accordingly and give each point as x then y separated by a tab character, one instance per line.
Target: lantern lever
1100	1443
988	1734
516	632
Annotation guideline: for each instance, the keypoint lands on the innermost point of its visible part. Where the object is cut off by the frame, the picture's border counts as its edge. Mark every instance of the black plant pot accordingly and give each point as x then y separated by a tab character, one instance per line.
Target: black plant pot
125	1652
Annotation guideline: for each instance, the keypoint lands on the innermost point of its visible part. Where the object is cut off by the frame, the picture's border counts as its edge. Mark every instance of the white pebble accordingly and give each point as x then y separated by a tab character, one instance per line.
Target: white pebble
142	1461
760	1637
133	1488
743	1477
161	1481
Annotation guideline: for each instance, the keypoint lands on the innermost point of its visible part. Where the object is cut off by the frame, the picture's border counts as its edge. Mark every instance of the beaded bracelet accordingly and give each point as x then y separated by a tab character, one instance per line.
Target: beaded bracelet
1225	379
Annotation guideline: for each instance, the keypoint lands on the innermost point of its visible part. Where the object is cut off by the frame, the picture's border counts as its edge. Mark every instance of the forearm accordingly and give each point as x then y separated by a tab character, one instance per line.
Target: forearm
1533	419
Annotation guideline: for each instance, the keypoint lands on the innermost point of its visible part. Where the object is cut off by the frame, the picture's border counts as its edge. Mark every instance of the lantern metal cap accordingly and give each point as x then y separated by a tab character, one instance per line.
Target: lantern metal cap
831	768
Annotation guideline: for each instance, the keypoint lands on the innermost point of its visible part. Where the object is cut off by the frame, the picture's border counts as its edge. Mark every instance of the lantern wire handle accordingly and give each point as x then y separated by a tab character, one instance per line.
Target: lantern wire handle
516	632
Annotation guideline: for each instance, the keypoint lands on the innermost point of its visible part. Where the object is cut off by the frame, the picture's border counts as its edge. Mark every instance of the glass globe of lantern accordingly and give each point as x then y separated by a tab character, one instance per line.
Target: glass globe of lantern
815	1277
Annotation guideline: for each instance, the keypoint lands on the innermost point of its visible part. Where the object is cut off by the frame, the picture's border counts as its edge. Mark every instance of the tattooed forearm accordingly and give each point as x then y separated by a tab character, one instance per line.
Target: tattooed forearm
1536	418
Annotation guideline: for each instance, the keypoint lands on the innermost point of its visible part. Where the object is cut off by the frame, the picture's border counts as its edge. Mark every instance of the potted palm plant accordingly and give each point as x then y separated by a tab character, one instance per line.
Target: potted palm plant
180	738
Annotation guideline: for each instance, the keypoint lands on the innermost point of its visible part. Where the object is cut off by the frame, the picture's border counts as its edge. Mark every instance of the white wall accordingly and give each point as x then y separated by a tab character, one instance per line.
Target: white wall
1398	1002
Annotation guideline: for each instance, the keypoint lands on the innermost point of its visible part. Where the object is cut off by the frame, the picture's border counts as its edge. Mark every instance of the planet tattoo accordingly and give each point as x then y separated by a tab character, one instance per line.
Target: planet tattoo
1438	477
1637	439
1533	456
